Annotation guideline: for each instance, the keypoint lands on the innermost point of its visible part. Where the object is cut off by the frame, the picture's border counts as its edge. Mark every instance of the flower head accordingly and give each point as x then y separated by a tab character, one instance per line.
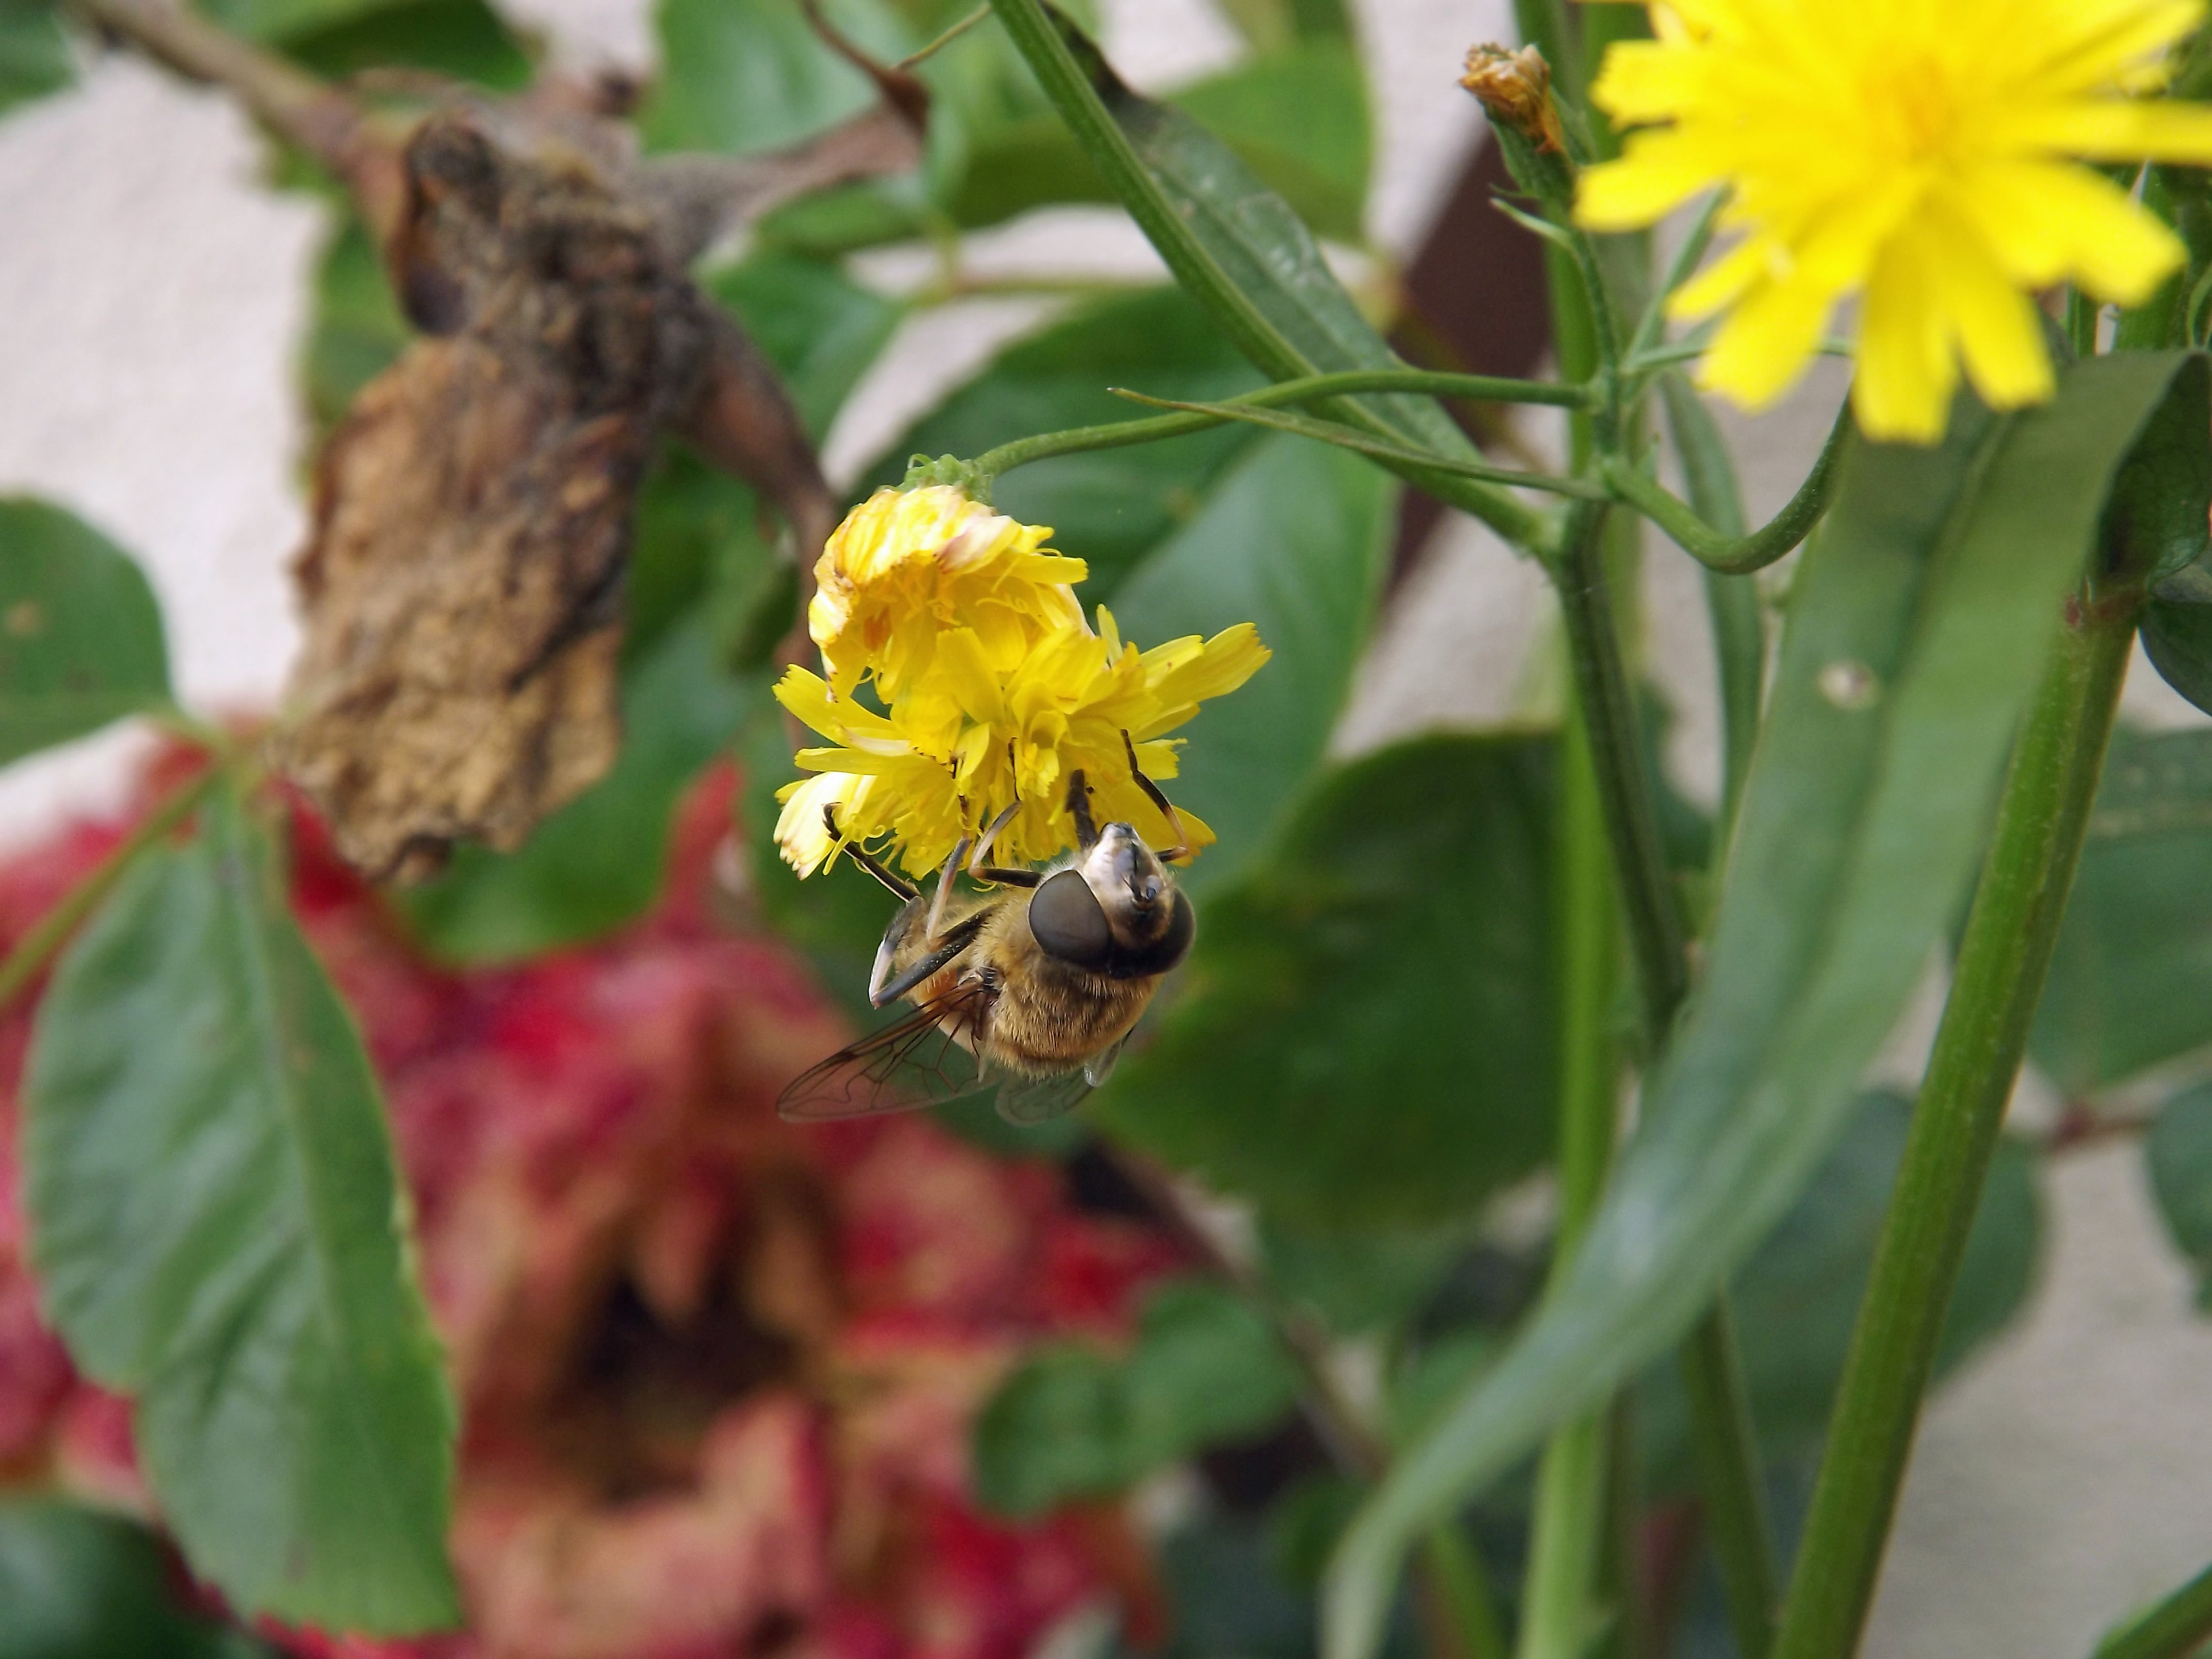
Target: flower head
950	756
1911	151
906	565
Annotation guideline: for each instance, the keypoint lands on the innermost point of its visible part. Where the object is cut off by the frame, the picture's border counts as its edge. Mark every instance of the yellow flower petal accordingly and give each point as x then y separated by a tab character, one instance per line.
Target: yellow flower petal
1767	340
1906	371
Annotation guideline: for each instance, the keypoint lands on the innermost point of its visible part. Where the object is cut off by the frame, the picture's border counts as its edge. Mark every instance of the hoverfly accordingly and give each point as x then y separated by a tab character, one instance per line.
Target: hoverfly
1033	986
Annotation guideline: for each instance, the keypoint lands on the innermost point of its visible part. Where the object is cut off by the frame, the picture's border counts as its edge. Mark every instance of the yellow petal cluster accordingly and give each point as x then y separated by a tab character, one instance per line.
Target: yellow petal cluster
907	565
990	690
1916	153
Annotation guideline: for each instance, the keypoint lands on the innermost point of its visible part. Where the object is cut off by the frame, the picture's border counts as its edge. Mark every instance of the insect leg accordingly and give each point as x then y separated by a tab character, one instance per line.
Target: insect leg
992	872
1078	808
943	890
868	861
1158	798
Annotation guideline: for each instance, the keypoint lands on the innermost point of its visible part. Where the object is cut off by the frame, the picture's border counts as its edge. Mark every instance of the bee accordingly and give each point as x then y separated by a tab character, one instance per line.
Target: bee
1032	986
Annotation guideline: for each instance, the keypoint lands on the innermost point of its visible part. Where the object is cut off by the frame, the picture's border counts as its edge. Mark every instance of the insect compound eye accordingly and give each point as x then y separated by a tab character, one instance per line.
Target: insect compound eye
1068	922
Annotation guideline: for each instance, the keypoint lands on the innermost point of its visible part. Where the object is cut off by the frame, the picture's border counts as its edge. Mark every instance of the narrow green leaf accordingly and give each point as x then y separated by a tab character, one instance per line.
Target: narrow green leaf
80	630
2178	1154
35	53
1365	1035
1072	1423
219	1232
1794	1302
1915	633
2130	980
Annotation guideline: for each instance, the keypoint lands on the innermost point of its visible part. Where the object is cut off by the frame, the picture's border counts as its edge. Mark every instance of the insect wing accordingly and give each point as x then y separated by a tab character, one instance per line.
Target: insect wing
1033	1100
912	1061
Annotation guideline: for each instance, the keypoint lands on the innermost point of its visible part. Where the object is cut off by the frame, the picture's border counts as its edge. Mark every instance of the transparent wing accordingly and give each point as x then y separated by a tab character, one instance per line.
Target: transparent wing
1033	1100
1100	1066
912	1061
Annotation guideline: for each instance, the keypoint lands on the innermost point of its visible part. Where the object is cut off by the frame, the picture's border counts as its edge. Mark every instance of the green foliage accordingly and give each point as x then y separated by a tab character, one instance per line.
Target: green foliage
80	632
1365	1036
356	330
463	38
79	1584
1796	1300
1916	629
1109	507
2178	1156
2130	976
1073	1422
219	1232
35	53
820	328
1368	1281
740	75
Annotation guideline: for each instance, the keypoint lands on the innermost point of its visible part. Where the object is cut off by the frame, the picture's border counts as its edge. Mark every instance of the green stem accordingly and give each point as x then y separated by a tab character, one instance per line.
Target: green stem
1561	1602
1450	1571
2165	1630
1733	556
1483	388
2002	959
1729	1477
1053	63
51	930
1400	457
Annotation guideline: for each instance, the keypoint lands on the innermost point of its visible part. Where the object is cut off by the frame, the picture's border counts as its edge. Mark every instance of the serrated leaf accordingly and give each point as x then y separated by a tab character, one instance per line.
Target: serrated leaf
1916	629
1365	1033
1073	1423
219	1231
1796	1300
2178	1155
35	53
80	630
2131	979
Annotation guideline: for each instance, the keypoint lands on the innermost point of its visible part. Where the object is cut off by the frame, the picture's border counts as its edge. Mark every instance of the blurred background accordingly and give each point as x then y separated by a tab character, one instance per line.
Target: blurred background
156	292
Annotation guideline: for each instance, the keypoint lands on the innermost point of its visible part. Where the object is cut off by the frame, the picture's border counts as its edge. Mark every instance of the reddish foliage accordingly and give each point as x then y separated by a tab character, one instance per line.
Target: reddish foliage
717	1372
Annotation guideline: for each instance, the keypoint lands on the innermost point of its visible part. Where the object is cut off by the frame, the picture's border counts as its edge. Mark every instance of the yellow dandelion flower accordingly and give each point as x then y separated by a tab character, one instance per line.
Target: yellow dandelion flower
1916	152
942	762
907	564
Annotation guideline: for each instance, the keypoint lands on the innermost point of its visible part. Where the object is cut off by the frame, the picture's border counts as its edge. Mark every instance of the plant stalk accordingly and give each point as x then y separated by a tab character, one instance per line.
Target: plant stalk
52	930
2042	820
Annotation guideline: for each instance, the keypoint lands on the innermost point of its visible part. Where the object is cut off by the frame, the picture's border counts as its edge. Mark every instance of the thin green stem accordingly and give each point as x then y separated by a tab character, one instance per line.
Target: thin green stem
1451	1574
2042	820
1729	1476
1734	556
1073	95
2166	1630
52	930
1398	456
1699	343
1561	1602
1654	321
1624	789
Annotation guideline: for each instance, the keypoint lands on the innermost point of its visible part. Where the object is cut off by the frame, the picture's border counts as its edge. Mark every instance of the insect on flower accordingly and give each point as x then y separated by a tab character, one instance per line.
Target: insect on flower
1032	986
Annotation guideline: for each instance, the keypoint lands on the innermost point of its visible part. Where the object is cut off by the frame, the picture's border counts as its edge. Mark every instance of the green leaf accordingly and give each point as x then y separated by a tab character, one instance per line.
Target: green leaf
78	1583
2178	1153
1259	243
1366	1033
1297	117
2177	638
1915	632
598	862
1071	1423
1268	24
357	330
2130	980
1796	1300
1107	507
740	75
1365	1282
35	53
219	1232
463	38
80	630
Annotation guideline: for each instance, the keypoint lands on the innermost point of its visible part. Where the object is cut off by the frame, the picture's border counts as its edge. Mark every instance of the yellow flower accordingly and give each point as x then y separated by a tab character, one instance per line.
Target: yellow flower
944	762
1910	150
907	564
